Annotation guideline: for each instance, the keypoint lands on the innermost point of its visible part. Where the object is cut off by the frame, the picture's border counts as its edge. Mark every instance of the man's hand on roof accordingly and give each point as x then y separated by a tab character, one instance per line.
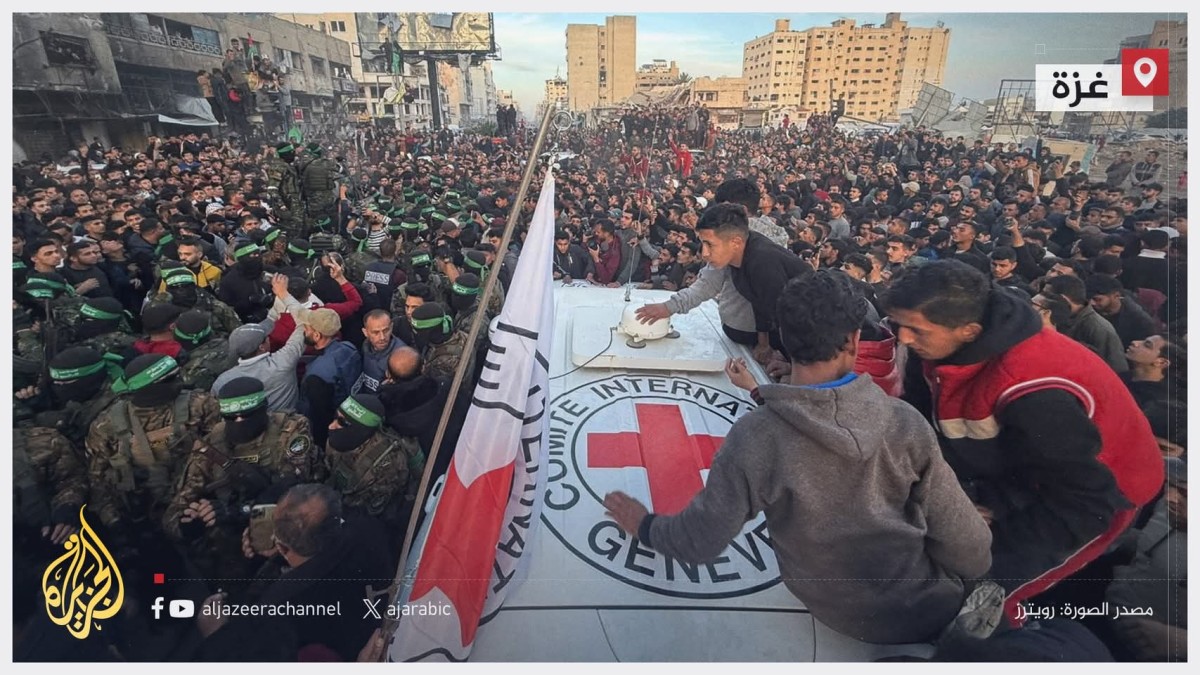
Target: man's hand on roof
625	510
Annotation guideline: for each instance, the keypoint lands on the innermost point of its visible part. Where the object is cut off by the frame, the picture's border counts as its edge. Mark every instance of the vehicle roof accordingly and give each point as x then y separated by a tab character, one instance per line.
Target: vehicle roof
593	593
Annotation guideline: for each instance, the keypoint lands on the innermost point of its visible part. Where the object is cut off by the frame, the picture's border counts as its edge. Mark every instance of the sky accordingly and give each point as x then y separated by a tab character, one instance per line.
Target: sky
984	48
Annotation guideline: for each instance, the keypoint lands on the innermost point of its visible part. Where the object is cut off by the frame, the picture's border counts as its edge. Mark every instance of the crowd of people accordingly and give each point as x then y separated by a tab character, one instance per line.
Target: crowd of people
215	341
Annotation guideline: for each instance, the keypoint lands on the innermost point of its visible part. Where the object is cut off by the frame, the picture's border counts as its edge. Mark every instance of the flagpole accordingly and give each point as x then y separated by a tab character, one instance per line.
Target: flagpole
389	624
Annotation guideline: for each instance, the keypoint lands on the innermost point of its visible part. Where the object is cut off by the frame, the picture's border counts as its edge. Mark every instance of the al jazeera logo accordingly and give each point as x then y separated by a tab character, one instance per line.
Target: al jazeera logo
83	585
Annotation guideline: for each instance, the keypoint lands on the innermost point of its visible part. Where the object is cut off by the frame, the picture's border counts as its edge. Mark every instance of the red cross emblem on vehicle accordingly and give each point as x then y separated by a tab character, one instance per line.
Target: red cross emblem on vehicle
673	459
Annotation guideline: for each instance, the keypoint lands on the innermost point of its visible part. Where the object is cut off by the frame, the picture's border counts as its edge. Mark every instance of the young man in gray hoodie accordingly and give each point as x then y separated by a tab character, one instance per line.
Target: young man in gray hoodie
871	529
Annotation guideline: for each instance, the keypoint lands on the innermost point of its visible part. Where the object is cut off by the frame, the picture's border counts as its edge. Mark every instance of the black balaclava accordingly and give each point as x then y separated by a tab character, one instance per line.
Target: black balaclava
151	380
431	324
360	417
299	252
420	262
464	293
249	260
77	374
246	398
99	316
476	261
181	284
192	329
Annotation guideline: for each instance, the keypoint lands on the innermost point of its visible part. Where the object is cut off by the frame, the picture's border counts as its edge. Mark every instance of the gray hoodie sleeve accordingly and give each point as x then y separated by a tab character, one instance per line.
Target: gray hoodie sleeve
715	515
707	285
956	537
648	249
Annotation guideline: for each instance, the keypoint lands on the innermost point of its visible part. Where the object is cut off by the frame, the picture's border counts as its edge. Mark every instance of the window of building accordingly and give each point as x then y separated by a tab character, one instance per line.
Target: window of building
337	26
67	50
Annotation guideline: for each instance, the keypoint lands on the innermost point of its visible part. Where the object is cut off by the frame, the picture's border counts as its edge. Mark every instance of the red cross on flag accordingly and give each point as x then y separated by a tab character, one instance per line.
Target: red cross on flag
496	475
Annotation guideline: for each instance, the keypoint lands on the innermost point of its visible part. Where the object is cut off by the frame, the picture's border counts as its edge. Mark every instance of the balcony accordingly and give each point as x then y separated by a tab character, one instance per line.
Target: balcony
155	38
344	85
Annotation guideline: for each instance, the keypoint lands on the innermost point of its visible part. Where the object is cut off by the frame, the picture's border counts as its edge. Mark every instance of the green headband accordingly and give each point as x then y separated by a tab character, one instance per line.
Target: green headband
306	252
471	263
47	283
464	290
18	265
410	225
442	322
183	278
438	216
422	259
98	314
194	337
237	404
272	236
246	250
359	413
109	361
167	239
285	149
395	226
324	221
147	377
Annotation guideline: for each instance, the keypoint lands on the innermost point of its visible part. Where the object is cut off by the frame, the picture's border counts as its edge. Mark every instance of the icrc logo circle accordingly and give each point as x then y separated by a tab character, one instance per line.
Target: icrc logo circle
653	437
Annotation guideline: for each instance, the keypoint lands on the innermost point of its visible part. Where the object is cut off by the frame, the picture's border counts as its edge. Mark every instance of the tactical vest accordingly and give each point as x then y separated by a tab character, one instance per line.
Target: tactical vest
318	180
385	448
207	362
379	273
357	263
283	464
136	457
323	242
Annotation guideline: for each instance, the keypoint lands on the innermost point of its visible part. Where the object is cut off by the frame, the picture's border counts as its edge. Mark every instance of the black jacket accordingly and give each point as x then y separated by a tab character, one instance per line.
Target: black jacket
339	575
765	269
415	407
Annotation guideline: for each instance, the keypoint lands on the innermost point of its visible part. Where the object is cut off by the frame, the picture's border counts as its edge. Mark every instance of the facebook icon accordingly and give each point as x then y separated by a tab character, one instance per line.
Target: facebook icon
178	609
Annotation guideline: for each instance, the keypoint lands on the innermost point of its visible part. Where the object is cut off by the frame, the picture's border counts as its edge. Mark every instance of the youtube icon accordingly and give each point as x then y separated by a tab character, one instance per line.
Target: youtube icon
1144	72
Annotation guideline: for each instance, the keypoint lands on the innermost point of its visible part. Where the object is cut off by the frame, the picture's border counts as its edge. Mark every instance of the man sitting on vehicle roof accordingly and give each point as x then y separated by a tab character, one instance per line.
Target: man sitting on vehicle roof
871	529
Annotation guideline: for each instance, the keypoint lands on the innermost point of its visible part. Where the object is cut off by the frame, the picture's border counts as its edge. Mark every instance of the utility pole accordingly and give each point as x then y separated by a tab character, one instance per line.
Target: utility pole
434	93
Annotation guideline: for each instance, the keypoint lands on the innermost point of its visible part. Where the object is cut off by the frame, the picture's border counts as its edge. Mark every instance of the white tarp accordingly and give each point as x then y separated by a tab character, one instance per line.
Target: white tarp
190	111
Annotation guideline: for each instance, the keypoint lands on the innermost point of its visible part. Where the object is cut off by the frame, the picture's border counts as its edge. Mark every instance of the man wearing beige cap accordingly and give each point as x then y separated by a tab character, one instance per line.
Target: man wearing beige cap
329	378
276	370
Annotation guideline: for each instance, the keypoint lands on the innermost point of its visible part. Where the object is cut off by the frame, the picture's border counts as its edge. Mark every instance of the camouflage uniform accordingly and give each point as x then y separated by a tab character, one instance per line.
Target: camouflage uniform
74	420
323	242
222	317
319	181
442	360
135	454
356	265
376	477
284	181
66	311
284	451
48	477
115	342
205	363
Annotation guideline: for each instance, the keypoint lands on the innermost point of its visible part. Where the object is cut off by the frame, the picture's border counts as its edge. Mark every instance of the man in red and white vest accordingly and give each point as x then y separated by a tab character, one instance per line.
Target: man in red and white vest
1044	438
